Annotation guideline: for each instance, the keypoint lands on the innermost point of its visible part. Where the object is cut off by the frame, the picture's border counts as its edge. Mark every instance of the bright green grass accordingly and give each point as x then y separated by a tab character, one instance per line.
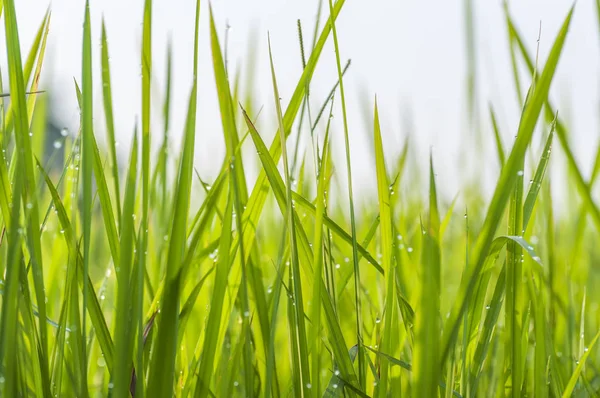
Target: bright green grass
116	282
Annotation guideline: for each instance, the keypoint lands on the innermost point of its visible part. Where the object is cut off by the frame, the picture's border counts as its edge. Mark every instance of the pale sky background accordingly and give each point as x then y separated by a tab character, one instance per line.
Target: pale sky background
410	53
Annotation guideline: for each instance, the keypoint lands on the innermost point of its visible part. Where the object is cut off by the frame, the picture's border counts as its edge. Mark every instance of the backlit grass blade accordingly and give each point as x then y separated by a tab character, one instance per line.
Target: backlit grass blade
213	324
95	312
11	294
385	227
322	184
125	326
427	316
561	132
105	198
227	110
298	303
34	51
23	145
504	187
110	124
162	365
336	337
357	281
536	183
87	155
575	376
260	191
497	137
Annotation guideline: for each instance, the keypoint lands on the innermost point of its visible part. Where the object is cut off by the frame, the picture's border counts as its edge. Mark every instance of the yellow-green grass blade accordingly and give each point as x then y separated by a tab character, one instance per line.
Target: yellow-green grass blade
227	111
357	280
385	227
28	68
561	132
11	294
162	365
31	99
24	146
336	338
126	325
575	376
87	154
536	183
497	138
260	191
213	323
337	230
109	119
303	378
504	187
427	372
105	197
95	312
146	171
318	243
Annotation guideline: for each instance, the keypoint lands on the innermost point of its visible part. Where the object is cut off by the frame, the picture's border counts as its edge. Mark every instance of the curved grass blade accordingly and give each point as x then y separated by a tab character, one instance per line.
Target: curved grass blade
504	187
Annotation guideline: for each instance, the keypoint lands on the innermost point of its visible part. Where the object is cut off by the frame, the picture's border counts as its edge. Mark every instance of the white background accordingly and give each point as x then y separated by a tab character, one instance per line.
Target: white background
410	53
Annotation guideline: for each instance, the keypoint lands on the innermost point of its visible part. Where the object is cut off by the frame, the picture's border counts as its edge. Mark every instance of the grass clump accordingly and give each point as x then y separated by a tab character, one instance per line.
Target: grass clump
117	283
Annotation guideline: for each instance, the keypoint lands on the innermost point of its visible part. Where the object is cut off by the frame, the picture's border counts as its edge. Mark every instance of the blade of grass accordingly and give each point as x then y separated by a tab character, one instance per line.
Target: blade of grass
504	187
110	124
361	361
125	327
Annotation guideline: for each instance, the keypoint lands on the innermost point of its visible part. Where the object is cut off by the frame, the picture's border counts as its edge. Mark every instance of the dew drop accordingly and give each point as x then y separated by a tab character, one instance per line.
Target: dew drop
57	144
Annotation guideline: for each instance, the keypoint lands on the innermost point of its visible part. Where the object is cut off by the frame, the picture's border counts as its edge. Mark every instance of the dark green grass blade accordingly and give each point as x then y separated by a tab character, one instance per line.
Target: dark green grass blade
504	187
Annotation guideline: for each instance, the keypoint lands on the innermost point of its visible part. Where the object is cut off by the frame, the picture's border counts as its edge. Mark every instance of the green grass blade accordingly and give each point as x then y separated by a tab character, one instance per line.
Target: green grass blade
497	137
505	185
24	146
575	376
125	327
213	323
304	376
536	182
357	281
427	317
110	124
385	227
